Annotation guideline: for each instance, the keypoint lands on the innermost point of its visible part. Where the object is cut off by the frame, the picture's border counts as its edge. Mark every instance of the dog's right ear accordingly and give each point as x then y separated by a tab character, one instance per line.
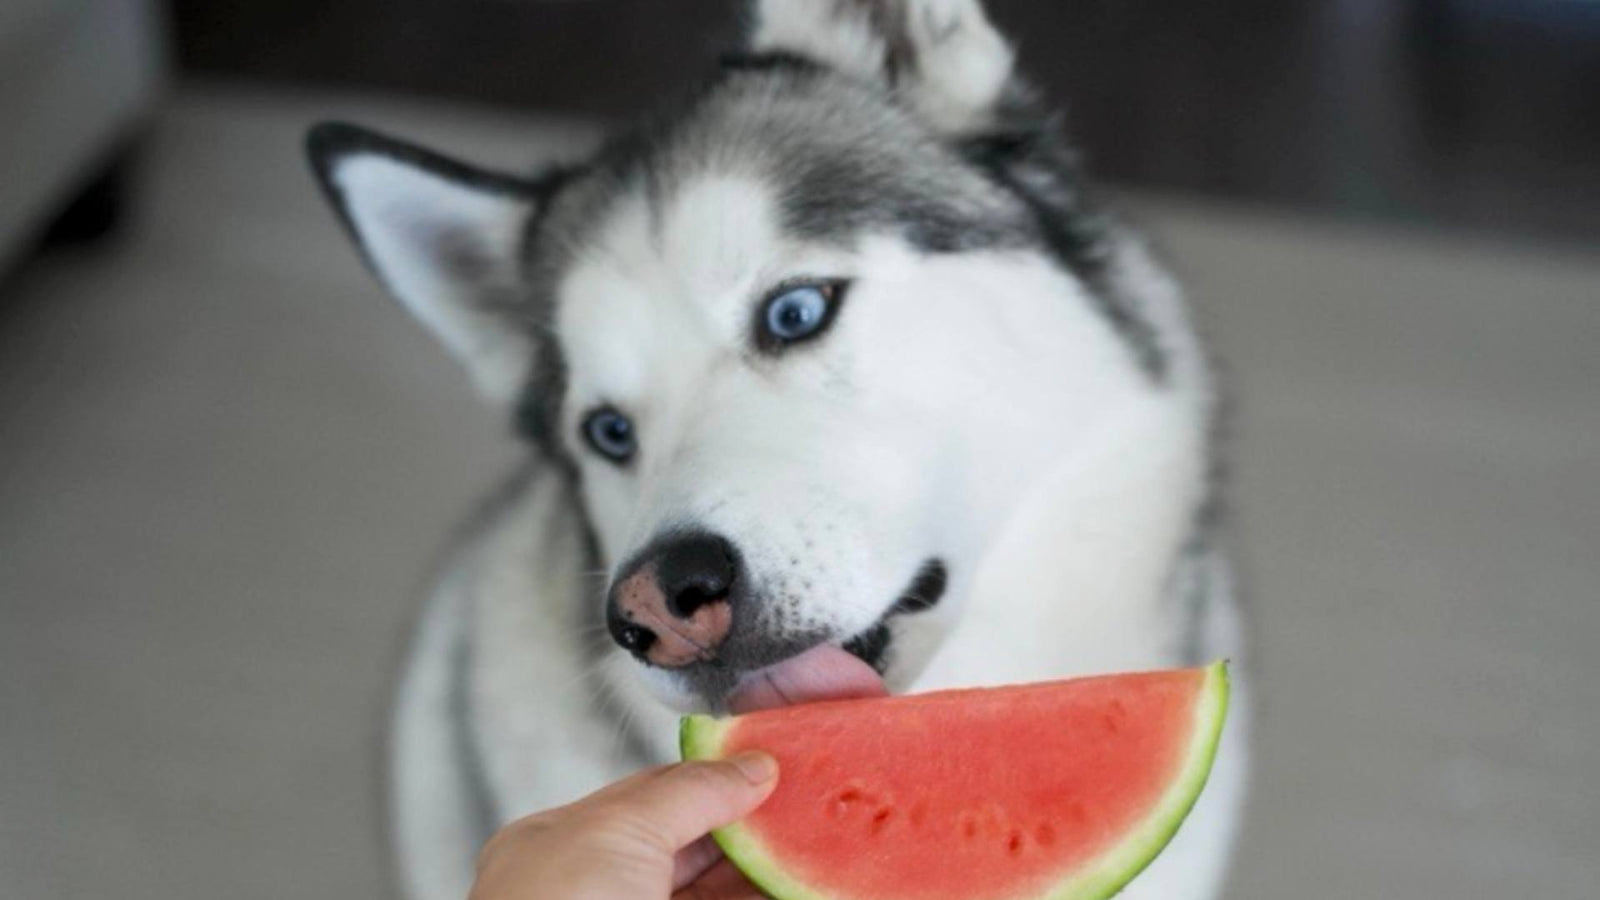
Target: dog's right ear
443	237
942	58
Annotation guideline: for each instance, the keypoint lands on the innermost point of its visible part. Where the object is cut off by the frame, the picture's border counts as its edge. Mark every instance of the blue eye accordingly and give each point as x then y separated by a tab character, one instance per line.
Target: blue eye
611	434
797	313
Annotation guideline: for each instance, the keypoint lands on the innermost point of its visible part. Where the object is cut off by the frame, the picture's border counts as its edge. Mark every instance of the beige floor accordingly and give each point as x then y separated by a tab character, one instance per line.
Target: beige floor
225	462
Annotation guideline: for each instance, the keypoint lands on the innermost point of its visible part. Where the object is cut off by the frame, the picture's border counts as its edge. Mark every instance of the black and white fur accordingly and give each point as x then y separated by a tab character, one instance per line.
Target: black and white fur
1009	411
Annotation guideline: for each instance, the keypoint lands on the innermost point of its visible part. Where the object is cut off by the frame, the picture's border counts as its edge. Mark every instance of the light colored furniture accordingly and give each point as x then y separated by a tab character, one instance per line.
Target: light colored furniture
76	77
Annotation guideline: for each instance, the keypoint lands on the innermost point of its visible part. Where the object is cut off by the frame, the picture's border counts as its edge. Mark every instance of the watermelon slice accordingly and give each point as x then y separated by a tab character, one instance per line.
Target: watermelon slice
1063	790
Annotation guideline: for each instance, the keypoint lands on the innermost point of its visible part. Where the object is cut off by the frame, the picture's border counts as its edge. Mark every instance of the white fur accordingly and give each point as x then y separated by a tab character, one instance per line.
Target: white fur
959	63
839	34
431	823
417	229
963	63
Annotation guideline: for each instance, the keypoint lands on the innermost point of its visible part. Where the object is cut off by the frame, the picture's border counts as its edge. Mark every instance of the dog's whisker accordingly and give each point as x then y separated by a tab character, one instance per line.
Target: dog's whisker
625	721
586	631
593	670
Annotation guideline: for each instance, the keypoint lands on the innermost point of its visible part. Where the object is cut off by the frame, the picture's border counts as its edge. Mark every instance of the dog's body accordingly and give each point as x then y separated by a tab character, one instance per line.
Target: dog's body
845	339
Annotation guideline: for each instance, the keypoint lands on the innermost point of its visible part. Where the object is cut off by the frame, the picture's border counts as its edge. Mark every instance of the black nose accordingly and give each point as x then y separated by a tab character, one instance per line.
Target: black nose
670	606
693	571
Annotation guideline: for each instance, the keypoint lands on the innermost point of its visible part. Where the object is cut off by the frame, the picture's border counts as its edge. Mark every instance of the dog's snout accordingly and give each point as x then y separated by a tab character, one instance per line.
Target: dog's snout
673	606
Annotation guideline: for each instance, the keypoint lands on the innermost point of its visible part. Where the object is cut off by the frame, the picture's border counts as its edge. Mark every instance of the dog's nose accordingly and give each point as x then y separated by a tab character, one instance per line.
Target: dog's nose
672	606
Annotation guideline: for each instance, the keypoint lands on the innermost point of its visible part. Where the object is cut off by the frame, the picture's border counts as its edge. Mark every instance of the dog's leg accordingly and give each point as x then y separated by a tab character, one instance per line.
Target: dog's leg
435	827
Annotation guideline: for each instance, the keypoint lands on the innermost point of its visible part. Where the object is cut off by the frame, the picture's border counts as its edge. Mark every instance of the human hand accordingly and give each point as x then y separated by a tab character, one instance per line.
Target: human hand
643	838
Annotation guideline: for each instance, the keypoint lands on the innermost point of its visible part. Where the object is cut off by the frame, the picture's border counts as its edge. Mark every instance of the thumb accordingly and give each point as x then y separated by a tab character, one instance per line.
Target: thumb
688	800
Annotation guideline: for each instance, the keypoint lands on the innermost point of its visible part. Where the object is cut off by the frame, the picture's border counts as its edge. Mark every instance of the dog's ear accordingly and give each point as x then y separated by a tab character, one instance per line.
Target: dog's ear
443	237
943	58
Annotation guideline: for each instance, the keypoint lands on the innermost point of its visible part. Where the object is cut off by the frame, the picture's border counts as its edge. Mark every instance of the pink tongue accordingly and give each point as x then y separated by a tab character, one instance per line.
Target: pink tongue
822	673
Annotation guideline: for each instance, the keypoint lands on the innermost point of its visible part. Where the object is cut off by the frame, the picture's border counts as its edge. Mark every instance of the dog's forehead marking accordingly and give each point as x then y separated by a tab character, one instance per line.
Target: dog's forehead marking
665	276
719	235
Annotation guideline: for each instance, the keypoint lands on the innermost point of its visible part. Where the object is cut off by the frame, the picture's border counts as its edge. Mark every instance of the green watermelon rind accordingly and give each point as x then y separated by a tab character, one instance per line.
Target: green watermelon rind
700	737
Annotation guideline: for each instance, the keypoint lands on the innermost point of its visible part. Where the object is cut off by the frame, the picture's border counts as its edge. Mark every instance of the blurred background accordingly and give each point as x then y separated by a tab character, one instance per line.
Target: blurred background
226	460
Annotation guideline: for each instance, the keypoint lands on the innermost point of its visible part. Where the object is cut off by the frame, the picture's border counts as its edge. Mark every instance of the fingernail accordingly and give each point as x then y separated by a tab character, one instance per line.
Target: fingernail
757	767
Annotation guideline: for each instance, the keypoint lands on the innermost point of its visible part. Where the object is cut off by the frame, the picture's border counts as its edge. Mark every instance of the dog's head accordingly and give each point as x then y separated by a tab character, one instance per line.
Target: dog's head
802	347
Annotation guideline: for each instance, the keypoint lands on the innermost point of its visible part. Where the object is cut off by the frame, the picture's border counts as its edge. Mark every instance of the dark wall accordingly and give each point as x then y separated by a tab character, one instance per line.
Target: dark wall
1482	114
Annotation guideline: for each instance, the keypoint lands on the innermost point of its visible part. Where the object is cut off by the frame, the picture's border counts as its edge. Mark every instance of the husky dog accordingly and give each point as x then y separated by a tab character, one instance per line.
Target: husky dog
836	374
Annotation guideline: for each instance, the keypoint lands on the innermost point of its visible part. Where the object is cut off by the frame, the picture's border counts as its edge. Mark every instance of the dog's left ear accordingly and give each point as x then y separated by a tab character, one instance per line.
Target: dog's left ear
942	58
445	238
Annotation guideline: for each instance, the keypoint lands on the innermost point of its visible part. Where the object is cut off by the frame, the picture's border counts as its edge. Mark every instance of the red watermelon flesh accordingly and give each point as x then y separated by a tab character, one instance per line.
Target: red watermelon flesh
1063	790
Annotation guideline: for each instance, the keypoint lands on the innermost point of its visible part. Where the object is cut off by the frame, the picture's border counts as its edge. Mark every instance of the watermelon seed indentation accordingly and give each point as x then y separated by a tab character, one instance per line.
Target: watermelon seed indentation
880	820
846	802
1014	842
